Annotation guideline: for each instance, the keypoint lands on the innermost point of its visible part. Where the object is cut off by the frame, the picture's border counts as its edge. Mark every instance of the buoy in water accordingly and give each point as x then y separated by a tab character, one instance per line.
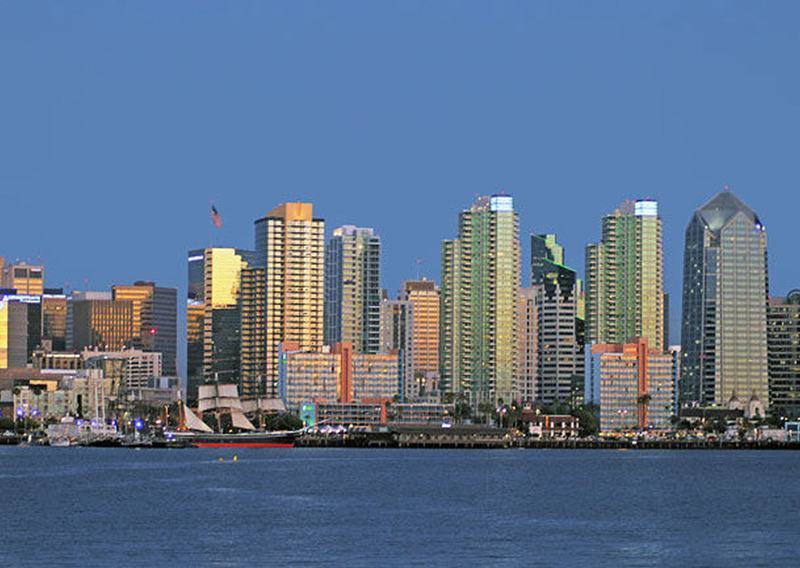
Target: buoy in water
236	458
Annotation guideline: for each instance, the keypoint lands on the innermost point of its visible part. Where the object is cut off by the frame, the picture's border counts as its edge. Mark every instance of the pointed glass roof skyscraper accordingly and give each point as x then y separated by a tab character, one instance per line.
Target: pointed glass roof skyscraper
723	335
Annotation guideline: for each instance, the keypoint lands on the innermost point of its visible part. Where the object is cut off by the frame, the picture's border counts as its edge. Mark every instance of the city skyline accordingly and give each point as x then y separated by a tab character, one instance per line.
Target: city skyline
553	107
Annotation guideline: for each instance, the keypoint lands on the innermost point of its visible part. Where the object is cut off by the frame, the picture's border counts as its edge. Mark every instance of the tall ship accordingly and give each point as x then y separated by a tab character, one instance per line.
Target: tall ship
233	429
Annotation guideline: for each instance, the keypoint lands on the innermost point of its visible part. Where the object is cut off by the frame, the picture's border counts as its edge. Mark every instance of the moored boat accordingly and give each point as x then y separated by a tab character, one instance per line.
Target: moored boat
224	400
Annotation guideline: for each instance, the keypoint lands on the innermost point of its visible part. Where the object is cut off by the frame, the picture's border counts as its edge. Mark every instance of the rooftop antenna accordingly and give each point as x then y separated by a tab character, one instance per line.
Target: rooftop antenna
726	187
418	262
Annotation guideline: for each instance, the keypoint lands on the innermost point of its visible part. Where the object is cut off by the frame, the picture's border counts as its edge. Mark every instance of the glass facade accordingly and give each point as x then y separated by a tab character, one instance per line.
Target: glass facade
214	316
352	288
480	284
783	352
625	277
724	324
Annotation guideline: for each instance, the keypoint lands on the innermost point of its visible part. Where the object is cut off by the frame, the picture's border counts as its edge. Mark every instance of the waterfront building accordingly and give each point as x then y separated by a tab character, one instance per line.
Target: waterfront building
783	354
559	361
359	414
550	426
724	326
397	331
424	298
213	316
480	292
22	277
421	413
155	319
95	319
632	384
290	245
336	374
352	288
625	277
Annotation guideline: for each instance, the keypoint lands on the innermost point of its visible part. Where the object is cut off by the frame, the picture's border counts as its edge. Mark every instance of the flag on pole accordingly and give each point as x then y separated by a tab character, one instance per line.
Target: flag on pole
215	218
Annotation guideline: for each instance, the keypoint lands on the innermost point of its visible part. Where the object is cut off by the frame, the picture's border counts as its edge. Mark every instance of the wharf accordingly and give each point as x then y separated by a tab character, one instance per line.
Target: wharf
481	437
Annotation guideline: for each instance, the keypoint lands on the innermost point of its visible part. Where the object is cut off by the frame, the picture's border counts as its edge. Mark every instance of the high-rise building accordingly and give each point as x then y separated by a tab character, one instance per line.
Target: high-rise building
23	277
95	319
632	384
625	277
424	298
480	287
397	331
155	315
783	354
254	333
54	318
290	246
353	288
214	316
724	327
528	341
13	333
559	363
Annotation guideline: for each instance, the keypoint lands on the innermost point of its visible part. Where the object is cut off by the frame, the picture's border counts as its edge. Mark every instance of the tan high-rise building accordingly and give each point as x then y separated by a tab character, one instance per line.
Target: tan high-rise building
290	245
23	277
424	298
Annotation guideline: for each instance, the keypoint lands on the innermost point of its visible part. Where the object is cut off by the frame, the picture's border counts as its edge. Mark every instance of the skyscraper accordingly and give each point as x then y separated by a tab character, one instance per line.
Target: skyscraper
213	316
625	277
155	315
724	324
559	363
480	285
528	344
253	332
424	298
290	246
353	289
397	331
783	352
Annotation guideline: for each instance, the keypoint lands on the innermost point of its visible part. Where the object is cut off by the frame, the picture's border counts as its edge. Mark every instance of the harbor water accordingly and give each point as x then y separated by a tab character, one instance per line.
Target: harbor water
366	507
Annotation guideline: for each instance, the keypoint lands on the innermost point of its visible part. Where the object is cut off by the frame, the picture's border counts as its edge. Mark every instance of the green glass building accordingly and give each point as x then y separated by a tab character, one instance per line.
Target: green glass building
479	295
625	277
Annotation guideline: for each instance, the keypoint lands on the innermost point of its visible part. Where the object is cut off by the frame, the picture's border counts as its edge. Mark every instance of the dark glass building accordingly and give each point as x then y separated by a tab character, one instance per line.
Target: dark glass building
724	322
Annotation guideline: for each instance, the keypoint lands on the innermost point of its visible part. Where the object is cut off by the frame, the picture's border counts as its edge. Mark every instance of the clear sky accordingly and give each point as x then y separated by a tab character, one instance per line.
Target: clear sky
120	121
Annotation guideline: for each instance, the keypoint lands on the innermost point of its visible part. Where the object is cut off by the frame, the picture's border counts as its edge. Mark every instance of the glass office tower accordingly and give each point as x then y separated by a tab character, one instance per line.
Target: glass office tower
724	324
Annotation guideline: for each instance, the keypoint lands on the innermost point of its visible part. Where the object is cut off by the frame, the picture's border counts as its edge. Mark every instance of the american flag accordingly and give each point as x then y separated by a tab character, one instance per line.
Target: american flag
215	218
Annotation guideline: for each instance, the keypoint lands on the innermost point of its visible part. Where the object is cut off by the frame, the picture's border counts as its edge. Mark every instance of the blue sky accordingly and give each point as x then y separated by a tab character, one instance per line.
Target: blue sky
120	121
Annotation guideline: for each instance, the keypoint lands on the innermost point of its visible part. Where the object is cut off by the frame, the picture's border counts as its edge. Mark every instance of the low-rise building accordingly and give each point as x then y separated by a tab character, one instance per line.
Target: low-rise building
551	426
336	374
632	385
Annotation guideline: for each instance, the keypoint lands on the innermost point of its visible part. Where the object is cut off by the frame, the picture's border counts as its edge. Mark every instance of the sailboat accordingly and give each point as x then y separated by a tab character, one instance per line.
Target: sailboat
223	400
